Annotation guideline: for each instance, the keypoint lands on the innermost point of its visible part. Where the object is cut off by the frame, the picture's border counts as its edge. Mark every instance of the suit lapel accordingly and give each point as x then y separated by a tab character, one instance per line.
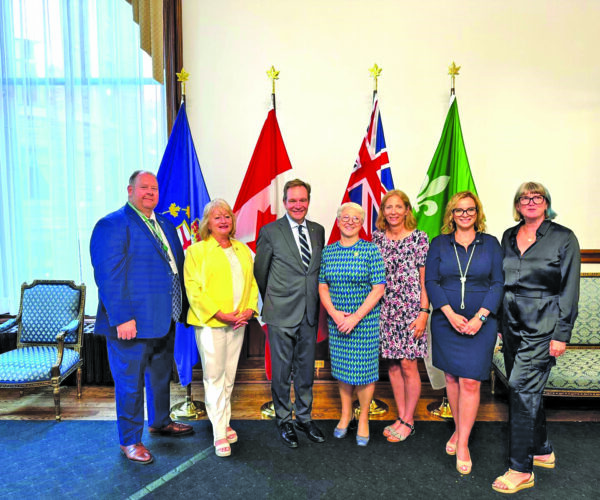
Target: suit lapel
288	236
146	230
314	243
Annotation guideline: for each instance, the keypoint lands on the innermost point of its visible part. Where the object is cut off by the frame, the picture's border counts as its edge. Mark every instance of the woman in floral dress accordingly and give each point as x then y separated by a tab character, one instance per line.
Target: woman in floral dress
404	307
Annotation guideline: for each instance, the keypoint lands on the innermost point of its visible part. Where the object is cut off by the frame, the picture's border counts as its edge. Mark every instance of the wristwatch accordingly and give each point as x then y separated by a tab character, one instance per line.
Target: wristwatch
483	318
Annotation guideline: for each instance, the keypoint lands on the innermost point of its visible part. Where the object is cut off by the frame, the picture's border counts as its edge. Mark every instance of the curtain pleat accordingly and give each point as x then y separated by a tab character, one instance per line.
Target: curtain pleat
149	15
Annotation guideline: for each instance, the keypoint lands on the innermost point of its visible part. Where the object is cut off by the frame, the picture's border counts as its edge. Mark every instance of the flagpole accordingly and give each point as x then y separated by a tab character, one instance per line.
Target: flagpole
443	409
453	70
273	75
375	74
187	409
267	410
377	407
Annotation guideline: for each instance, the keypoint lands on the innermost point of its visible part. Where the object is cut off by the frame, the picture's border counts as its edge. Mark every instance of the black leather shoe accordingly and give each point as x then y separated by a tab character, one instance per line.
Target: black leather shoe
311	430
288	434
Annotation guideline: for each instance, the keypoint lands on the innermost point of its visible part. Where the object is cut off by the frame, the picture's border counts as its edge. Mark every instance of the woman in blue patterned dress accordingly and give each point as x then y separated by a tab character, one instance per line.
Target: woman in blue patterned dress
404	307
351	282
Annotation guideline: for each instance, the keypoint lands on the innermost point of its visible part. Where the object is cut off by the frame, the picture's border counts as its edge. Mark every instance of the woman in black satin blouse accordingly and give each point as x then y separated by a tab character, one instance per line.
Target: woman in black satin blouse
541	290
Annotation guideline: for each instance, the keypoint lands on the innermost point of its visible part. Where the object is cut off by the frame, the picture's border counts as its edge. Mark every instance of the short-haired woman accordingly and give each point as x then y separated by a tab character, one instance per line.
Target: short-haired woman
351	282
541	290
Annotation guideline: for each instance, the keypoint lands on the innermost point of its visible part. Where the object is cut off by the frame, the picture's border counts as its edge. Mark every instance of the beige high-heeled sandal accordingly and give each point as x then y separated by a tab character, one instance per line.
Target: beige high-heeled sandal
451	447
464	466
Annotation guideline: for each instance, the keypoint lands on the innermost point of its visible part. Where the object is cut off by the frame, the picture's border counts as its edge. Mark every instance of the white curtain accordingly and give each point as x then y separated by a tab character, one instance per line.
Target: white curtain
79	112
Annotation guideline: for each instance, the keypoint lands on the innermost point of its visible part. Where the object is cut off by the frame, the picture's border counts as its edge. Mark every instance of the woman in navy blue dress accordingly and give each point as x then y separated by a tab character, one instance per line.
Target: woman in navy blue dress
463	277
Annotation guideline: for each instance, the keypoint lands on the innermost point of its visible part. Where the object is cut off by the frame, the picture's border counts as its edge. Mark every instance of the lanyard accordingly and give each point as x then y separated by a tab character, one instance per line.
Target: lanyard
463	276
151	225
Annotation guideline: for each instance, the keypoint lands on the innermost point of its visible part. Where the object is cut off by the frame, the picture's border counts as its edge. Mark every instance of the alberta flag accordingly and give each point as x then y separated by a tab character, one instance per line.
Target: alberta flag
182	196
448	174
260	199
371	176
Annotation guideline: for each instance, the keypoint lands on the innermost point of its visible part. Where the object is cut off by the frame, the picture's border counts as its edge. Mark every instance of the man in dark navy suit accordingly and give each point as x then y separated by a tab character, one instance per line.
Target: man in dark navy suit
138	263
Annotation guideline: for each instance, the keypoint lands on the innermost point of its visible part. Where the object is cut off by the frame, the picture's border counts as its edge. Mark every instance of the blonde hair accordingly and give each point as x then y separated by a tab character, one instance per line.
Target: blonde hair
410	222
204	232
448	224
535	188
353	205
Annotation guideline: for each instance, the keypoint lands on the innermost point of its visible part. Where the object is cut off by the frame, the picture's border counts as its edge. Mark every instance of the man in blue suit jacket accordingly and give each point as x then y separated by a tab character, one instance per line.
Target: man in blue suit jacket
138	267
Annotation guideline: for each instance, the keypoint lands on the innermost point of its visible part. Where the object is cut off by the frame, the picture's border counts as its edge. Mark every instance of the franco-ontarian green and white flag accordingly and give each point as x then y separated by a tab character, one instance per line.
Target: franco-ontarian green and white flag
448	173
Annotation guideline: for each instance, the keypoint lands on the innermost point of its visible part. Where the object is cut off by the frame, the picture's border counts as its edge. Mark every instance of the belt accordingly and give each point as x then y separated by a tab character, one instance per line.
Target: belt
532	294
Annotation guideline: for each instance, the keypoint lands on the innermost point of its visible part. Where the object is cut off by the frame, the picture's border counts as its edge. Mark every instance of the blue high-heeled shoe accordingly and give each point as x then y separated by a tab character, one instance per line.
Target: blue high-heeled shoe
340	433
362	440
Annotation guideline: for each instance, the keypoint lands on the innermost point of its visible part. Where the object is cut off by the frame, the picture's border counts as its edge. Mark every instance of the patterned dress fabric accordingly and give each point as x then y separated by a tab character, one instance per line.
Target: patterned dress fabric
401	303
350	273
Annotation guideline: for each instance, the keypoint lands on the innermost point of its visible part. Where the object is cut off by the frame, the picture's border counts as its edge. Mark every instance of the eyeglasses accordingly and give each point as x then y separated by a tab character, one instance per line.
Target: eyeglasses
347	218
469	211
537	199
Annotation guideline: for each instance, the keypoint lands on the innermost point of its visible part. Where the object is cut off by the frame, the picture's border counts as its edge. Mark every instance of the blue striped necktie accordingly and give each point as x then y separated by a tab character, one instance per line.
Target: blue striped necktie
304	248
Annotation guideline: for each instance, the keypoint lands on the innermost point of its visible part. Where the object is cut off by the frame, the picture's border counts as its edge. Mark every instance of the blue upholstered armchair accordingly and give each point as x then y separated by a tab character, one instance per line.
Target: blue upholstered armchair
49	338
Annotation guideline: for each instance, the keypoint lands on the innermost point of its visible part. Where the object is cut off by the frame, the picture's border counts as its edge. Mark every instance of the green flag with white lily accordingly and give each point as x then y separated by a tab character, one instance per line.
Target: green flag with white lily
448	173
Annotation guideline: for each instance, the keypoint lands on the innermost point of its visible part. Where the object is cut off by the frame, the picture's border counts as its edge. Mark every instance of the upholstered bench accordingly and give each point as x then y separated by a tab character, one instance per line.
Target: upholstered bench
577	371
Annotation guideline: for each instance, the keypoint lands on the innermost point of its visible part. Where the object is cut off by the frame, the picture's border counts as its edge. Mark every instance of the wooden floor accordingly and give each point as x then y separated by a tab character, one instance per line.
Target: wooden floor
98	403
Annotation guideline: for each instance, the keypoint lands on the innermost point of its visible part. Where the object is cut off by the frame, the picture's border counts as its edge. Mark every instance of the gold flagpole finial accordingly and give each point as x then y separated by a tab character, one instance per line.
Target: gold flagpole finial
453	70
182	77
375	72
273	74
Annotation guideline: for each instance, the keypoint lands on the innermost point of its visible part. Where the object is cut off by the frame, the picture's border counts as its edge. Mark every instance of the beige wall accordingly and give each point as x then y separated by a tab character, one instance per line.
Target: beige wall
528	93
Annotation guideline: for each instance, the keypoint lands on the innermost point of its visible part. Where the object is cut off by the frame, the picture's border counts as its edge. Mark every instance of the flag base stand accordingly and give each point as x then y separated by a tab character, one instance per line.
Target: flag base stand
442	410
376	408
188	409
267	411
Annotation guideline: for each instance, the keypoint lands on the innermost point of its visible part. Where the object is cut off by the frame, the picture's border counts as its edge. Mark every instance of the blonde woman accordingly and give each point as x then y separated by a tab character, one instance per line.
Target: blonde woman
463	277
223	296
404	306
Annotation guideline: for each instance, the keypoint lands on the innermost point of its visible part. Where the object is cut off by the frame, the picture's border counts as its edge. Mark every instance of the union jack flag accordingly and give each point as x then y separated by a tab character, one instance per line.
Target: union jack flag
371	176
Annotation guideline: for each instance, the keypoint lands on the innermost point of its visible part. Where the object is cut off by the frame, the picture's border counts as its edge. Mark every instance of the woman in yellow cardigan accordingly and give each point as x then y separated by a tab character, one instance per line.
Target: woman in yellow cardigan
223	296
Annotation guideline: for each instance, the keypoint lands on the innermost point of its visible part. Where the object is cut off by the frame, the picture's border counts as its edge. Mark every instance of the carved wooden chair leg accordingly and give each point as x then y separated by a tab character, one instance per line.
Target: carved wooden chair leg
79	373
56	391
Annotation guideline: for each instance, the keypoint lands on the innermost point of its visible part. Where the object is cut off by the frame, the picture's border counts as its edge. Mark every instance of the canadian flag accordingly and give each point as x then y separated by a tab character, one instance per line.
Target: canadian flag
260	199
